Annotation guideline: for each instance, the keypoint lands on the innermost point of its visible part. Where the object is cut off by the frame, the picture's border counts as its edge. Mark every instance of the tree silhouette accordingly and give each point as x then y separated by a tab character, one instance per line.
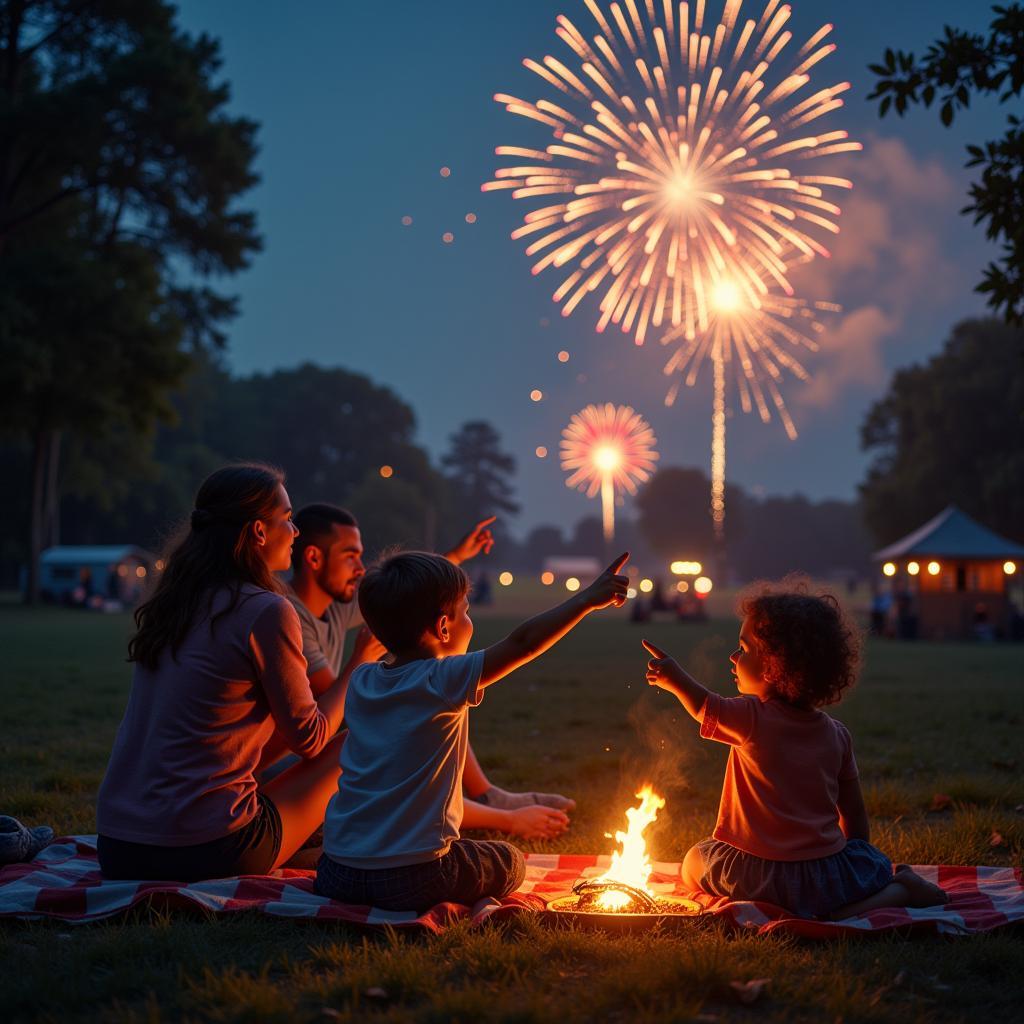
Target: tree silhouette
480	472
954	68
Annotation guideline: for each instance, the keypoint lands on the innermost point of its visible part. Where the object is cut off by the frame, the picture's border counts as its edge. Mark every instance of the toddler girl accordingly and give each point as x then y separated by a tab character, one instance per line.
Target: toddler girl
792	828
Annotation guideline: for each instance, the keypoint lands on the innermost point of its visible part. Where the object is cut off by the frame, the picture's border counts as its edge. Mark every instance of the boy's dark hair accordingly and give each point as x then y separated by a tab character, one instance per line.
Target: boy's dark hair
315	524
810	651
403	594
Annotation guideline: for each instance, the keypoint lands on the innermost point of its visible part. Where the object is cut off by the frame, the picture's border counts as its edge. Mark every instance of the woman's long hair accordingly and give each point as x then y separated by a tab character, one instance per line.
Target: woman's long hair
214	550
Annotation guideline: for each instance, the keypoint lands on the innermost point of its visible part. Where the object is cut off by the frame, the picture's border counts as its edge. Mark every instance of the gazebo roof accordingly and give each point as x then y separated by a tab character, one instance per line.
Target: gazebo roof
93	554
952	534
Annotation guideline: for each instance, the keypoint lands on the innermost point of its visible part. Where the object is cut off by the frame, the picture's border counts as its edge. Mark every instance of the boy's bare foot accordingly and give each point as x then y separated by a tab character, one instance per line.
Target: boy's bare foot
506	801
922	892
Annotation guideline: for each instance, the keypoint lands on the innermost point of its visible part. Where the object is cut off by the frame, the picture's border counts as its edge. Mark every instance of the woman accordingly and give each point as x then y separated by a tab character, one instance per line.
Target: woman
219	691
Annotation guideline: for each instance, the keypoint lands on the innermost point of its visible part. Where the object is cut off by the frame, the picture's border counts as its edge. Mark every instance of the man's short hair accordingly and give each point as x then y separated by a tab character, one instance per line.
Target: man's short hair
402	596
315	524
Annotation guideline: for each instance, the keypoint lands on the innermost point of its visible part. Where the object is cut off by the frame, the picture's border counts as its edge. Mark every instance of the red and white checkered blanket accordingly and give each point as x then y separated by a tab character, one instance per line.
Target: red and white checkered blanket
64	884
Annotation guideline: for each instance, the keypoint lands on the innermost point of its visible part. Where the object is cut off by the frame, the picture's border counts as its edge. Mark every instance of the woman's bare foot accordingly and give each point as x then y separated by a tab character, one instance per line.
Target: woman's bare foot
922	892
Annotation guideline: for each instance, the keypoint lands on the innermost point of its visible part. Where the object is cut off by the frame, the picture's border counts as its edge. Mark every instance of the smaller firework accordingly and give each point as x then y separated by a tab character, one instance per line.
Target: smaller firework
608	448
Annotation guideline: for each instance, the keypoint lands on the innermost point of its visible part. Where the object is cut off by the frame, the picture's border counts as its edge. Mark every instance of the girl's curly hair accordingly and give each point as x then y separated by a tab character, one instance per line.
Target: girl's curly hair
810	650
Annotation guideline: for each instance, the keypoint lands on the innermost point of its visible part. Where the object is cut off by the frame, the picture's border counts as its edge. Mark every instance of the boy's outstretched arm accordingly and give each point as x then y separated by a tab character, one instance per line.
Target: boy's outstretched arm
536	635
664	671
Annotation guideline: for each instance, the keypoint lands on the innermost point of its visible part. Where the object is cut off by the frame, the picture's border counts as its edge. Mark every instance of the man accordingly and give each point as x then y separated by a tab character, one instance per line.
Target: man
326	568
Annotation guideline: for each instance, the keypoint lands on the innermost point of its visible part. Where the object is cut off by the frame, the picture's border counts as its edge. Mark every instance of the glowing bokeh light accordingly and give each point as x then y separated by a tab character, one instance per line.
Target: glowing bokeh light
140	571
547	578
913	568
934	568
702	585
407	220
646	586
505	579
588	443
1009	568
386	472
682	586
470	218
448	237
889	569
540	451
631	593
572	584
536	395
563	356
446	172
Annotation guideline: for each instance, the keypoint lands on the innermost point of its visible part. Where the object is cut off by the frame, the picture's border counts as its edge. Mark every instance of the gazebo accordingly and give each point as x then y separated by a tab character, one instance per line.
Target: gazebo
952	578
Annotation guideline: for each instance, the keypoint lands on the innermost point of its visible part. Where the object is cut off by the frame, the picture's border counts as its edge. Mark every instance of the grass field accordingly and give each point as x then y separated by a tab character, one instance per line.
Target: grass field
926	720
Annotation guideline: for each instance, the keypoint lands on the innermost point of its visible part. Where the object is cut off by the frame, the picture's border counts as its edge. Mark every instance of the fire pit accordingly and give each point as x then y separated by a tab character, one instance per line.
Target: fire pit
620	899
584	907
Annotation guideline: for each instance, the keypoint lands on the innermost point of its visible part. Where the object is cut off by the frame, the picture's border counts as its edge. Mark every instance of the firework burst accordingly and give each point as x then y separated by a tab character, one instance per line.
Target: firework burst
608	448
672	137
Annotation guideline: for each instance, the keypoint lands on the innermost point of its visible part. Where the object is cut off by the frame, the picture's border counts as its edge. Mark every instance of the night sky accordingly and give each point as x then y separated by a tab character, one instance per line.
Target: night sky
362	104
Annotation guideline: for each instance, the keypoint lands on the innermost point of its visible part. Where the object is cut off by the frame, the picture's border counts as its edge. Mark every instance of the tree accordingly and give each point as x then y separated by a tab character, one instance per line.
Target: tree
953	69
674	517
950	432
118	174
480	472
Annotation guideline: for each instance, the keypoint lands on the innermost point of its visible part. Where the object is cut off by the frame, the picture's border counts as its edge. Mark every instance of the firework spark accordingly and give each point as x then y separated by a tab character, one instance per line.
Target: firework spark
751	337
671	137
608	448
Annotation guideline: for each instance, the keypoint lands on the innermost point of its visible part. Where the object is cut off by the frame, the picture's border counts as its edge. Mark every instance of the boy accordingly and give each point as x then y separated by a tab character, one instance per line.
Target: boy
391	835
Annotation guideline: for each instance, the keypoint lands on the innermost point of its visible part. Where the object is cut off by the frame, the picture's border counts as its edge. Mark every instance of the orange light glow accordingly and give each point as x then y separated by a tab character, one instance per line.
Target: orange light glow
563	356
913	568
631	863
386	471
448	237
547	578
934	568
889	569
646	586
470	218
407	220
702	585
682	586
572	584
540	451
446	172
536	395
140	572
1009	568
505	579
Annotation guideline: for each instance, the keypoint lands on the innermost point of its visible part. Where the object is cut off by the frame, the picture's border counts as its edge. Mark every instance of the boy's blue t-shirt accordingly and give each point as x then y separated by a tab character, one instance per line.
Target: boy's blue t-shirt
399	798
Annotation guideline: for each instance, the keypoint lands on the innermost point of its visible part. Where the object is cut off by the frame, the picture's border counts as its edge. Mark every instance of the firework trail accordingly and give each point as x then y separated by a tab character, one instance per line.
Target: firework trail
608	448
668	182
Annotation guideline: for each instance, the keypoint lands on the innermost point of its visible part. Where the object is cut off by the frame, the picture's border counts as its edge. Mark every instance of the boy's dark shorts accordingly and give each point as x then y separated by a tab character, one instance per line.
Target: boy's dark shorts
468	872
250	850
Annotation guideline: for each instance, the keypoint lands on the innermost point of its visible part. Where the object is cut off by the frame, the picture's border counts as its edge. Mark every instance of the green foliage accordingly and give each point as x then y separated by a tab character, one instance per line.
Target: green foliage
62	694
954	68
950	431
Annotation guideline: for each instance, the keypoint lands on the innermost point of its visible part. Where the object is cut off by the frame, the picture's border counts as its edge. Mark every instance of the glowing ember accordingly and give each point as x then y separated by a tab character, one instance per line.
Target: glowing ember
631	864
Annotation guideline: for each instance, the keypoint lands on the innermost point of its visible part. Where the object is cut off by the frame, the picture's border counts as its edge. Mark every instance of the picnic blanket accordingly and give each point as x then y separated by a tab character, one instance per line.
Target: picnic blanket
63	883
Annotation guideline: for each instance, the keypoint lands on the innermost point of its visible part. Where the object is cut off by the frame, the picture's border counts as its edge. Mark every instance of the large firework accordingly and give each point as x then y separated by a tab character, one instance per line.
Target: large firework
608	448
678	175
672	140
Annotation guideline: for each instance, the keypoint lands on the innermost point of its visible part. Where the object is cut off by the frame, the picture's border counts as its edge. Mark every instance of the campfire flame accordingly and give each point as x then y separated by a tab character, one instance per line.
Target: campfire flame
631	864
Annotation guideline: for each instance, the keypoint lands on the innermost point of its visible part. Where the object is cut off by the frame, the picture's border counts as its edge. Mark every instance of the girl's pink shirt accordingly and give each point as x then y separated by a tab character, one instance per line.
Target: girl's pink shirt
779	798
182	769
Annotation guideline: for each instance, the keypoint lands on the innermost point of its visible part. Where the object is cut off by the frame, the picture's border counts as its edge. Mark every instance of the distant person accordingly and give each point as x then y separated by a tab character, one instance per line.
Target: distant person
326	569
392	833
483	592
880	602
792	828
219	675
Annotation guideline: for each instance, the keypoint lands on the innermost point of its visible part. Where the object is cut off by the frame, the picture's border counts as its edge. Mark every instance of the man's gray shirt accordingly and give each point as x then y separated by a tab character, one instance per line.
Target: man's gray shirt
323	639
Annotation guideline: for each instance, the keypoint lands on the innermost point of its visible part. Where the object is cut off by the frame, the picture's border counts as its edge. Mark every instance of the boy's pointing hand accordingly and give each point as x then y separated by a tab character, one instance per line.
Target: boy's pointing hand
610	587
662	670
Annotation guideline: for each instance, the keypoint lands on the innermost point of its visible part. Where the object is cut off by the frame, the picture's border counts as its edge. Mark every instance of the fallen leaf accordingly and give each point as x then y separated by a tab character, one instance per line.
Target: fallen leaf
997	839
940	802
750	991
